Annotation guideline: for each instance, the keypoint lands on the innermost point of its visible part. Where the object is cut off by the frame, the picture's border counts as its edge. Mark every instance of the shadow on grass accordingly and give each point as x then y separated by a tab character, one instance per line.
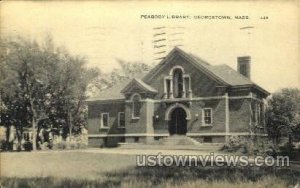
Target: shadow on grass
171	176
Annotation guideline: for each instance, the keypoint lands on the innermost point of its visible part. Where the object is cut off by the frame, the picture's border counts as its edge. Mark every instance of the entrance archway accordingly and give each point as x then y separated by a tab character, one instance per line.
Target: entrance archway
178	122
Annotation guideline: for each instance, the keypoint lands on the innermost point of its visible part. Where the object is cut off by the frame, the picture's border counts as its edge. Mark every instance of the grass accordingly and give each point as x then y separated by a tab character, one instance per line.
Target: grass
79	169
71	164
170	177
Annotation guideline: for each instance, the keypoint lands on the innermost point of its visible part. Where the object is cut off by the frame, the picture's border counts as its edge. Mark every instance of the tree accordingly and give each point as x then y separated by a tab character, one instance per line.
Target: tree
127	71
21	88
283	115
42	82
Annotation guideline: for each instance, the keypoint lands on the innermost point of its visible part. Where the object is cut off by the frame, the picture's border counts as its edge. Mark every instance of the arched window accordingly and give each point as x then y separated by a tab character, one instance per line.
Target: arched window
177	83
136	106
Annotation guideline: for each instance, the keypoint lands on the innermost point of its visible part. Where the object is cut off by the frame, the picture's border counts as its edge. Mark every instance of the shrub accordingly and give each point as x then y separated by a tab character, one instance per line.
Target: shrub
27	146
75	143
243	145
2	145
6	146
287	150
234	144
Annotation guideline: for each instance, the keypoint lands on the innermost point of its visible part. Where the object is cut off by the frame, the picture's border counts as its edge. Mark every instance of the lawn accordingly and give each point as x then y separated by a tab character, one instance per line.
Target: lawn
70	164
82	169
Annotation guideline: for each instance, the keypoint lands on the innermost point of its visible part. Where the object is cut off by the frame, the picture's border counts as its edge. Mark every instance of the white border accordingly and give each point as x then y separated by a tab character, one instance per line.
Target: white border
101	121
121	127
203	116
132	109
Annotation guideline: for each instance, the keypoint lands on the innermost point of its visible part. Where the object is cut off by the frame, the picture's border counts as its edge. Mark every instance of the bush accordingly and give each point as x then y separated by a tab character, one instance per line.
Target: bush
243	145
73	144
6	146
2	145
234	144
287	150
27	146
59	145
45	146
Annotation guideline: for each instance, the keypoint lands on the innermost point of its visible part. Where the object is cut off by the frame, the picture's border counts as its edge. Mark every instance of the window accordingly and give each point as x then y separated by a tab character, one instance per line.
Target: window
136	106
258	114
207	139
104	120
122	139
207	116
168	85
121	119
178	83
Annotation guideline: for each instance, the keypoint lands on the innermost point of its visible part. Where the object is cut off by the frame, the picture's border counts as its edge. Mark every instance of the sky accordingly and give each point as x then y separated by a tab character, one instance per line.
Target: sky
106	31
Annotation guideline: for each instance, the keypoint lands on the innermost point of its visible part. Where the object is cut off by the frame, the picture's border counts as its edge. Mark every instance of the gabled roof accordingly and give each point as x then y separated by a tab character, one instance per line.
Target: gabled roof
135	82
200	64
111	93
114	92
229	75
223	74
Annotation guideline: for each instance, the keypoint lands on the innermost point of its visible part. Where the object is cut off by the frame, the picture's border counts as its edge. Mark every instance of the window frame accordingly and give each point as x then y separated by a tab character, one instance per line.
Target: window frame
119	124
203	117
133	106
101	120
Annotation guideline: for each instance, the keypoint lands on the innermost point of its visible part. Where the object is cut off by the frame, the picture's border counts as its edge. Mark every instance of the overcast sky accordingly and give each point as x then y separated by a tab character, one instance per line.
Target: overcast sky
104	31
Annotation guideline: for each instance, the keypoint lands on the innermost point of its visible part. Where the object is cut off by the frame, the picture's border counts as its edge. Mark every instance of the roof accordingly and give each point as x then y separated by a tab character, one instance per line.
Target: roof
229	75
139	83
114	92
223	74
111	93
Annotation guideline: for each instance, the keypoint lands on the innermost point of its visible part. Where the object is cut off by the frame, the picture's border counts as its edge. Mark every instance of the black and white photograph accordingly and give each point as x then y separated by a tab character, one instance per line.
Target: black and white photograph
137	94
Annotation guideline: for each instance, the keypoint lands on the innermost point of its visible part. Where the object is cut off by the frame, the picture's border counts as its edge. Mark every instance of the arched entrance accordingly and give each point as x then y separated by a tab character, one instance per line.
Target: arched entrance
178	122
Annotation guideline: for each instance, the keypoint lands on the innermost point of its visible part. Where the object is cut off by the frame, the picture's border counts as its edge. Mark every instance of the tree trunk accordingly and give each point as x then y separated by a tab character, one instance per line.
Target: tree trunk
7	135
34	133
19	133
34	127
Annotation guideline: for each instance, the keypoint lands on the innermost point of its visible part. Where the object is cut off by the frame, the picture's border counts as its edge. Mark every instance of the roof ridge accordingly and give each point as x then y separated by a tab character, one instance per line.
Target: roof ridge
207	68
141	83
200	59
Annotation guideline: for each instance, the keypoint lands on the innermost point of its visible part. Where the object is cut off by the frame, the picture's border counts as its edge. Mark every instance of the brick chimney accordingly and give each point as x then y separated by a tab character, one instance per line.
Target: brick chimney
243	65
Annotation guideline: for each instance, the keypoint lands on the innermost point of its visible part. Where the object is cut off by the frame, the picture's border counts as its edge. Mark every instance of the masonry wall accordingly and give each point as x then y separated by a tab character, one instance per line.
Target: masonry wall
94	113
202	85
239	115
136	125
195	124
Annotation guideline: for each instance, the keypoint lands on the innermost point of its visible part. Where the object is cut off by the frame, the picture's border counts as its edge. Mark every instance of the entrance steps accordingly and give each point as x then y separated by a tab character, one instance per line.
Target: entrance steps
175	142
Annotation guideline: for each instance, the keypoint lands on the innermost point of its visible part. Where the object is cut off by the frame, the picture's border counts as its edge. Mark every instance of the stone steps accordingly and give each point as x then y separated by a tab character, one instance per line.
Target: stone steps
176	142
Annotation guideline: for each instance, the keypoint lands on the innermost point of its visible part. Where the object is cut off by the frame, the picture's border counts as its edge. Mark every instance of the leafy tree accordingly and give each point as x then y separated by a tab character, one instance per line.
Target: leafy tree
21	88
283	115
43	82
125	72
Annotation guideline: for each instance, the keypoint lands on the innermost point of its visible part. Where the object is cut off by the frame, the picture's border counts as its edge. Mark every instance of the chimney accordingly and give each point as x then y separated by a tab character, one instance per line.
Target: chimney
243	65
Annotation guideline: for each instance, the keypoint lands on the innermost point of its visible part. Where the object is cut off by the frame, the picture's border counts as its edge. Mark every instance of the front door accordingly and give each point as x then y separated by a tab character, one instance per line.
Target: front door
178	122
